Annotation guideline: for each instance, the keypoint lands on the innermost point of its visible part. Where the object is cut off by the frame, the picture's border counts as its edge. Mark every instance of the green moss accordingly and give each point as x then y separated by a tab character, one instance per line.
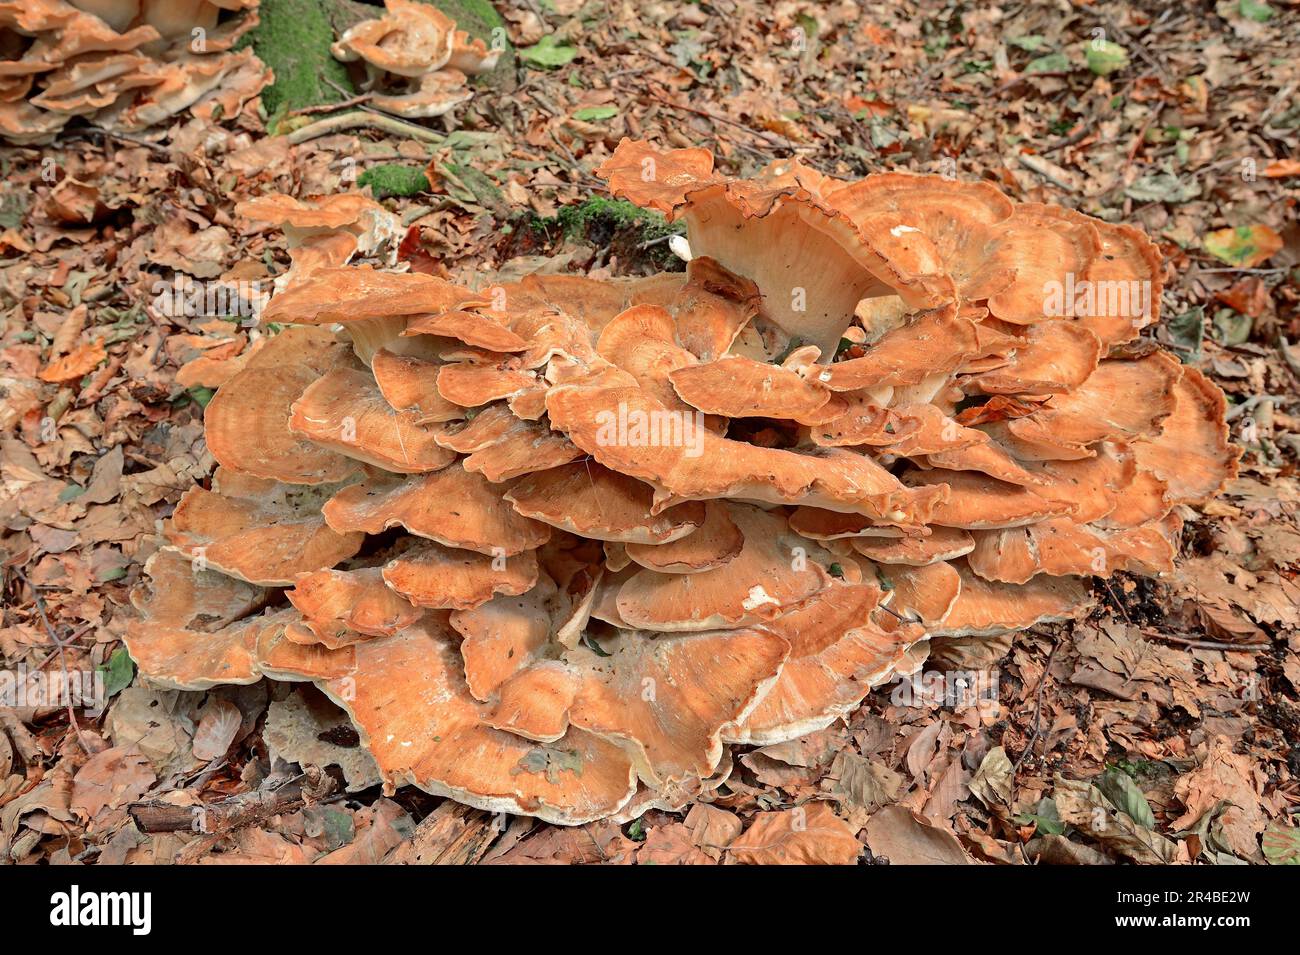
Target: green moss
394	180
613	214
293	38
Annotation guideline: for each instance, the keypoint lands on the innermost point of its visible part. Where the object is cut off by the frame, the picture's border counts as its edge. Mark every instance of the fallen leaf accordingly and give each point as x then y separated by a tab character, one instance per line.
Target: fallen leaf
1245	246
904	838
80	361
804	835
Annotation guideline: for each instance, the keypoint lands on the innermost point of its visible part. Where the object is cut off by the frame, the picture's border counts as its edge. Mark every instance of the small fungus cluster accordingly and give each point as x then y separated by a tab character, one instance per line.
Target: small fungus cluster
416	62
123	65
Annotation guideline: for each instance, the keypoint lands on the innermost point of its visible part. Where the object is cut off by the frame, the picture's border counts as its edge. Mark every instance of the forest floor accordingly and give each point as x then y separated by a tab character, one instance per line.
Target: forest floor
1162	729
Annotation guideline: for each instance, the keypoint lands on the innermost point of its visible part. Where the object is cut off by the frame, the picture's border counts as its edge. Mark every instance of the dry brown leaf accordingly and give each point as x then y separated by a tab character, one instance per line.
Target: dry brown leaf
804	835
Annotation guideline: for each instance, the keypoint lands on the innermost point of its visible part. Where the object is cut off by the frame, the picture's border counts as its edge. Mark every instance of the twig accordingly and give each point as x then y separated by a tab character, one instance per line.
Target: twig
1291	360
1207	644
1042	168
362	119
63	660
125	138
1038	712
333	107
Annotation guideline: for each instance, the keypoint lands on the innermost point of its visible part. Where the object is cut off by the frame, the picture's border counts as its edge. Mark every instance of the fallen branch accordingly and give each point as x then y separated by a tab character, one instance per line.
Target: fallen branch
217	820
360	119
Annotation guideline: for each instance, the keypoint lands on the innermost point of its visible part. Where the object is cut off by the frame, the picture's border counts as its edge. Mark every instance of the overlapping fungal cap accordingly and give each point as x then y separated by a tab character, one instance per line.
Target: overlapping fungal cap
124	65
556	544
416	62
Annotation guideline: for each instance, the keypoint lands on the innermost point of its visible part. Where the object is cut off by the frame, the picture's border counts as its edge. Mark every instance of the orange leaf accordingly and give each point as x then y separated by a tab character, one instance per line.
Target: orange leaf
78	362
1282	168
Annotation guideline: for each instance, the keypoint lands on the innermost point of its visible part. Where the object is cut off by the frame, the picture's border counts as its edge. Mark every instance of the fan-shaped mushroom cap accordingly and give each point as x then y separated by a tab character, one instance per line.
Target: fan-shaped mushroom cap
988	457
714	544
483	429
344	410
618	427
773	571
472	328
24	125
471	55
642	341
818	524
934	433
778	230
934	228
526	447
862	421
1053	357
837	654
710	308
503	636
1093	485
743	388
1126	281
409	702
1120	401
469	384
943	543
933	342
656	179
985	608
344	606
346	295
260	531
448	579
84	72
590	500
194	631
247	422
1145	499
978	501
668	698
1192	454
535	702
317	216
411	384
411	39
436	93
1063	548
924	594
451	506
178	86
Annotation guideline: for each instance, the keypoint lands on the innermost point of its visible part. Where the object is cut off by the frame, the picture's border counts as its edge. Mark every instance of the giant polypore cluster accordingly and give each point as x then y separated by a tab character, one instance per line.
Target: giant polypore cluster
556	544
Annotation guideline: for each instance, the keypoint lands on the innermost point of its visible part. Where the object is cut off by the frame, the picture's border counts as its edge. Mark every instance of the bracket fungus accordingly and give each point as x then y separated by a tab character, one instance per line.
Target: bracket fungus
416	62
124	65
556	548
